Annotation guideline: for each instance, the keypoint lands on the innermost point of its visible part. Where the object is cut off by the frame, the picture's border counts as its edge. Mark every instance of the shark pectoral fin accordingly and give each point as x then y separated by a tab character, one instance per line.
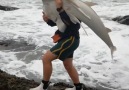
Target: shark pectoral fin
108	30
90	3
113	49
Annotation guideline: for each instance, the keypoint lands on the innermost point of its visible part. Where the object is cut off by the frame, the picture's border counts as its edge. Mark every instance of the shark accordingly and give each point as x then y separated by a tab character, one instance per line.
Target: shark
78	10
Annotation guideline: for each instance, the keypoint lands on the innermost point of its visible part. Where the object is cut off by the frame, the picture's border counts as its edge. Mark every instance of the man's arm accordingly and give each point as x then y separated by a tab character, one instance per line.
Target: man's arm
47	20
51	23
64	16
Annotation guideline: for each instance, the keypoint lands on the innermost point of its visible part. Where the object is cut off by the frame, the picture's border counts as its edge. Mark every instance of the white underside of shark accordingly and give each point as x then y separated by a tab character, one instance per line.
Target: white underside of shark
79	10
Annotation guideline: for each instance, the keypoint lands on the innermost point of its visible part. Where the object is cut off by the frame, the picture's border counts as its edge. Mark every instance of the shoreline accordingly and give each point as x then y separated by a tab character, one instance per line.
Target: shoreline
11	82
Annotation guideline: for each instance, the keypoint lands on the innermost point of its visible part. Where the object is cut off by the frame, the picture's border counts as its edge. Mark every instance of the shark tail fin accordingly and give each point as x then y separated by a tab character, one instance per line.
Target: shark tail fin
113	49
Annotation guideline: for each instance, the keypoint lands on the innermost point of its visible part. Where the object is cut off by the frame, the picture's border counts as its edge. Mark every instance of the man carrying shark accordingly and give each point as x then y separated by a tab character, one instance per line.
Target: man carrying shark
67	42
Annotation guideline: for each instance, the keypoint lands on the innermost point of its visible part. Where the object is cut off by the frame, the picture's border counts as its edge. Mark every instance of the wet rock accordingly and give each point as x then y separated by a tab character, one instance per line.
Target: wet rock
20	45
7	8
122	19
11	82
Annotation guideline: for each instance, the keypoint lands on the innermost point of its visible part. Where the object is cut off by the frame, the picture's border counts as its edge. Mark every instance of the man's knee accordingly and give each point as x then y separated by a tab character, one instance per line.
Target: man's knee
45	59
48	57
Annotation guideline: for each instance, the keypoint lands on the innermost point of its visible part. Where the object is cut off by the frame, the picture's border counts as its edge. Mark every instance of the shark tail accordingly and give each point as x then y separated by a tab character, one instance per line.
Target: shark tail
113	49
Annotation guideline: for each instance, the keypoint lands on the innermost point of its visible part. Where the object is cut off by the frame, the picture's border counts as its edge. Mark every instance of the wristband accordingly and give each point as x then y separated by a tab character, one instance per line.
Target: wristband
59	9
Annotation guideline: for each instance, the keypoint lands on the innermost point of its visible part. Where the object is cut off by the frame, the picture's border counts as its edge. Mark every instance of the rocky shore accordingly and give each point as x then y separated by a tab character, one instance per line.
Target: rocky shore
11	82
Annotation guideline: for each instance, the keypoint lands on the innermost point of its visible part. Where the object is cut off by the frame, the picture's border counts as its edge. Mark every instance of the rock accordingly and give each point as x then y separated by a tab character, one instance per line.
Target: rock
122	19
15	45
11	82
7	8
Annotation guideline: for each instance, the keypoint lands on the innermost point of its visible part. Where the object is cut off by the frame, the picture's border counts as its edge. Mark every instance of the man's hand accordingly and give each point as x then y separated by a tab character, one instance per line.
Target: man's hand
45	17
59	3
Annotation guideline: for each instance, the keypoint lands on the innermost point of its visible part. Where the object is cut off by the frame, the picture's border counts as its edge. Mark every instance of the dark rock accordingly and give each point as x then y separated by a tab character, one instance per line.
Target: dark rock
122	19
11	82
7	8
20	45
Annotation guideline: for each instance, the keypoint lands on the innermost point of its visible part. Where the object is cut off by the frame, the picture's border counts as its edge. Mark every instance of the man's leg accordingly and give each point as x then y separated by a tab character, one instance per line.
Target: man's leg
47	59
47	65
68	64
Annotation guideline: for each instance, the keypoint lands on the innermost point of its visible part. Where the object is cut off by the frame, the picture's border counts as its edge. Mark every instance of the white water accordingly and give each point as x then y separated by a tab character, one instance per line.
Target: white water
92	59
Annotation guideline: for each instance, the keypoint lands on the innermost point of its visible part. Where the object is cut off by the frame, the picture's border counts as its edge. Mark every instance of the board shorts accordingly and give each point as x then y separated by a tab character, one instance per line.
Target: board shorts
65	48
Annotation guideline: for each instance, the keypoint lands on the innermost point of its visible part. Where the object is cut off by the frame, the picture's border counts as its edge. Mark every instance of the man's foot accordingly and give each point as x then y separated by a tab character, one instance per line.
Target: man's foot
40	87
76	87
83	87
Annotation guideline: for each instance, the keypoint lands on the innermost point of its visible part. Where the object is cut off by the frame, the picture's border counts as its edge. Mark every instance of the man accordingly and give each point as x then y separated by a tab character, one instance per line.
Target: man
67	43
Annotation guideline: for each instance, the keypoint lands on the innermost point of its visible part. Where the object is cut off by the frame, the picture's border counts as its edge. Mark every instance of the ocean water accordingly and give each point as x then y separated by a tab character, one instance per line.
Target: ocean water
26	37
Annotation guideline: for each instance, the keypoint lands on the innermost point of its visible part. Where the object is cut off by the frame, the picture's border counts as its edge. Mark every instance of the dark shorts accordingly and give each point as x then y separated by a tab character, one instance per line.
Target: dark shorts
65	48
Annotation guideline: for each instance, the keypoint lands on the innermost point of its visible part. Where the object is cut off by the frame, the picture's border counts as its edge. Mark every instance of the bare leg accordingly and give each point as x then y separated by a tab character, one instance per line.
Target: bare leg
47	65
68	64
